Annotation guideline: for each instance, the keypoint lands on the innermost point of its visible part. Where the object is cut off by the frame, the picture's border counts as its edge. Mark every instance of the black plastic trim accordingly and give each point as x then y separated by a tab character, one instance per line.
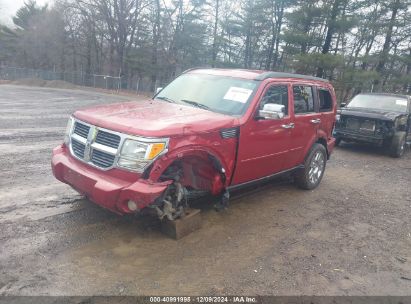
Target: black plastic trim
262	179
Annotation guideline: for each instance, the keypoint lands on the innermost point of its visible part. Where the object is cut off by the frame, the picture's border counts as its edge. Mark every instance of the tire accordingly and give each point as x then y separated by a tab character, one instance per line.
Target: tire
386	145
398	144
314	167
337	141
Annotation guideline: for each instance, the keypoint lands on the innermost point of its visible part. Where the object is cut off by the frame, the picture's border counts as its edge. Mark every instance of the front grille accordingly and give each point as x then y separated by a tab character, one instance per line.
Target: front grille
78	148
102	159
81	129
353	124
360	125
107	139
85	147
368	126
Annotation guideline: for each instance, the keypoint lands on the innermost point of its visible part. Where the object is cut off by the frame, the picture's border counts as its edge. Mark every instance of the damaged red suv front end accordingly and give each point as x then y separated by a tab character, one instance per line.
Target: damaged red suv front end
125	170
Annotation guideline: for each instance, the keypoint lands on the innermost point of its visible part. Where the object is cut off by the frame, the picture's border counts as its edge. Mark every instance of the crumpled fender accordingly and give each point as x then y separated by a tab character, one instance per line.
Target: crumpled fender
164	162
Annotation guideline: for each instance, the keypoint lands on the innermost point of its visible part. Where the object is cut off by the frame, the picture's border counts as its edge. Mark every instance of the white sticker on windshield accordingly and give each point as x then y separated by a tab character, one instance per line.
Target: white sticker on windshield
401	102
238	94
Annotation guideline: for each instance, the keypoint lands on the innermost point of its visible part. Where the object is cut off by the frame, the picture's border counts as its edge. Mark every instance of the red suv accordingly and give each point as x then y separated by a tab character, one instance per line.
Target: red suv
208	131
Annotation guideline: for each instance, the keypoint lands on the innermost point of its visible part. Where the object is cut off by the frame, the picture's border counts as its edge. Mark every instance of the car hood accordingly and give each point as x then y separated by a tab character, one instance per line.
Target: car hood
154	118
370	113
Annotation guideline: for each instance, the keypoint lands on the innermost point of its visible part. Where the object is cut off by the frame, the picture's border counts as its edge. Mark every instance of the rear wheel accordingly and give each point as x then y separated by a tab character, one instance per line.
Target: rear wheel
314	166
398	144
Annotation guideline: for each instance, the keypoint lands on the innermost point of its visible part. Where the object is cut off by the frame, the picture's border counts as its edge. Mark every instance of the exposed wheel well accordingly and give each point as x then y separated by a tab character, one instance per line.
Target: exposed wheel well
197	172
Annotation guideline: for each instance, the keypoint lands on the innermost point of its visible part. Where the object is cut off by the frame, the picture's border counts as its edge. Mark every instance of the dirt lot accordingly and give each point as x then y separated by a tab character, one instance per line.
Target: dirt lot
350	236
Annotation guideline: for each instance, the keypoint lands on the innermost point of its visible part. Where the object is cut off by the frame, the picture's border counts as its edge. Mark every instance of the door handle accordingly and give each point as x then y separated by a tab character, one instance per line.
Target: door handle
315	121
289	126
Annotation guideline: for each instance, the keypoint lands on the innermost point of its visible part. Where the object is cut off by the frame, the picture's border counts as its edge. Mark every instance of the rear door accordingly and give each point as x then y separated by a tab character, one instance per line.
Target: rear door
306	123
263	143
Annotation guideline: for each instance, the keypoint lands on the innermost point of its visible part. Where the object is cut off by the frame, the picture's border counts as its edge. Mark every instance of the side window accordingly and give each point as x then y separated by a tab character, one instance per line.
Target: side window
326	101
277	94
303	99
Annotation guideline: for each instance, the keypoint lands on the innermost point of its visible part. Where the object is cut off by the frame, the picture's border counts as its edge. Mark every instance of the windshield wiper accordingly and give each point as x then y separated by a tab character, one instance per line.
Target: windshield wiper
165	99
196	104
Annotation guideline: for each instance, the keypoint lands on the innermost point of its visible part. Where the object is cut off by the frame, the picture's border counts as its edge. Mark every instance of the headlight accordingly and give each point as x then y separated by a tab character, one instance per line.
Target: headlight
337	117
136	154
68	131
133	149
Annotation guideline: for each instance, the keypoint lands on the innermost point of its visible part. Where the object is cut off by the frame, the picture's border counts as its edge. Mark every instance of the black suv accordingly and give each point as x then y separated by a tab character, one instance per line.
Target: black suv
376	118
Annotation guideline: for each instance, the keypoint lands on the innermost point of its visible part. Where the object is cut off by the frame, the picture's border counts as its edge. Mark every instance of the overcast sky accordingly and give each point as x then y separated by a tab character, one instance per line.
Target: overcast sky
9	7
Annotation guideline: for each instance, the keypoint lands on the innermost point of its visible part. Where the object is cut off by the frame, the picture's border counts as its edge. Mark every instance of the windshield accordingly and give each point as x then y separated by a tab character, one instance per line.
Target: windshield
379	102
220	94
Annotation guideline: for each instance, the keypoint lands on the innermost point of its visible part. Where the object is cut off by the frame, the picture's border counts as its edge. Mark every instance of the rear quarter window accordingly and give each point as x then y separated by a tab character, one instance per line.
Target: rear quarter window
326	101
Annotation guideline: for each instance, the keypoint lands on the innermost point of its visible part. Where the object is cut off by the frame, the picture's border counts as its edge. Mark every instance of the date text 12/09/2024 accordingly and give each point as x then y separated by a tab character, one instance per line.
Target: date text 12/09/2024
204	299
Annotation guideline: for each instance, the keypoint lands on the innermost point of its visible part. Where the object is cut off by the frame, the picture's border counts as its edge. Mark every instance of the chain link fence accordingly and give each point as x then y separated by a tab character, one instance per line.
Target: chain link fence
108	82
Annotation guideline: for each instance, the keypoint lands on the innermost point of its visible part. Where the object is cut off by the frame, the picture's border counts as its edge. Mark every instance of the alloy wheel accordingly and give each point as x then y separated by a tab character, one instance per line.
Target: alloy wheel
316	167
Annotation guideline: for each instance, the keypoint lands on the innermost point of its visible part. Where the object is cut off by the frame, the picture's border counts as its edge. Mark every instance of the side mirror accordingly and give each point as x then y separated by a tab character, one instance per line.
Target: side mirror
343	104
272	111
158	90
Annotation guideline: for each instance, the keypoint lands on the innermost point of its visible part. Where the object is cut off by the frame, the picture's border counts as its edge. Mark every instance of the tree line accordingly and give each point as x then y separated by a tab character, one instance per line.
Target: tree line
360	45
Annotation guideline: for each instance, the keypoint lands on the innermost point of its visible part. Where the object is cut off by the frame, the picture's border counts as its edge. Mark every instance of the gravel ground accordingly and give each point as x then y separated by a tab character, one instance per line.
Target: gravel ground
350	236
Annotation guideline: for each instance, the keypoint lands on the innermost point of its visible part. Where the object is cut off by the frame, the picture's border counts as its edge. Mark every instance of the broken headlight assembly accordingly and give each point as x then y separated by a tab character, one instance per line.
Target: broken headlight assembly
136	155
400	122
385	128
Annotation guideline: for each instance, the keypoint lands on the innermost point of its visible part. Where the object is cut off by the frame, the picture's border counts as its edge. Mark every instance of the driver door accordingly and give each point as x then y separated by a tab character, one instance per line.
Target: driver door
263	143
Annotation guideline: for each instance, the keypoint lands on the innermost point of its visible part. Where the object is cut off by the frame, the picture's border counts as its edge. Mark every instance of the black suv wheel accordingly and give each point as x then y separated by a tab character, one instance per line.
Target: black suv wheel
314	166
398	144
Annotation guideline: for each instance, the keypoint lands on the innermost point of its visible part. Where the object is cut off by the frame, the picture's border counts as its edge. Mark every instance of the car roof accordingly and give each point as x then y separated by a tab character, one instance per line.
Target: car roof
388	94
253	74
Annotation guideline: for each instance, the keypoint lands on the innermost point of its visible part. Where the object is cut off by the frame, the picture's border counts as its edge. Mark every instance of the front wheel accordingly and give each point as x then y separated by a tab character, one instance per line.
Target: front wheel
398	144
314	166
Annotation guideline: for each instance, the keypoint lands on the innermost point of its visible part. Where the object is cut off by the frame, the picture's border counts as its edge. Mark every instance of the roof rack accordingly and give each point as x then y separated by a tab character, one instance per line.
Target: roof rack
266	75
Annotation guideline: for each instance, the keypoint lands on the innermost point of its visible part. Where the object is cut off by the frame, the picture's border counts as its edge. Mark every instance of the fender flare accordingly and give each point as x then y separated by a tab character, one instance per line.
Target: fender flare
322	138
319	137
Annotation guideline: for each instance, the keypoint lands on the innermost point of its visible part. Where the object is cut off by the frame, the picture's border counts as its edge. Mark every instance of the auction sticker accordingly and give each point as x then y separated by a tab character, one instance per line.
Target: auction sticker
401	102
238	94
